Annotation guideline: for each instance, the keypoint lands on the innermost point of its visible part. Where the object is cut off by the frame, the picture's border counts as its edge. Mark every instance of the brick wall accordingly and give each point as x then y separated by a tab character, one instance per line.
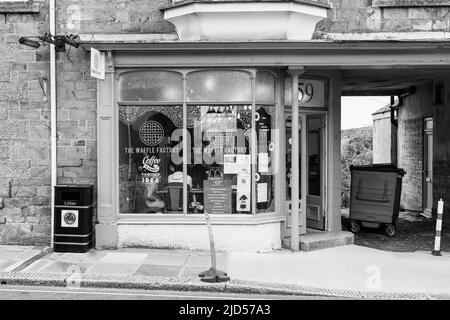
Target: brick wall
410	144
24	127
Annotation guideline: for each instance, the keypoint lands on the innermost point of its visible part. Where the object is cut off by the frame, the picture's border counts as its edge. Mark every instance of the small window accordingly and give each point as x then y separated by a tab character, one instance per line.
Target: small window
219	86
265	87
164	86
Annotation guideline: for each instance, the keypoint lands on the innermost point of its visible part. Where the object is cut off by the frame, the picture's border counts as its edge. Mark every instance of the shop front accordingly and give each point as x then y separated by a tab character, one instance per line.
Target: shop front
232	128
176	141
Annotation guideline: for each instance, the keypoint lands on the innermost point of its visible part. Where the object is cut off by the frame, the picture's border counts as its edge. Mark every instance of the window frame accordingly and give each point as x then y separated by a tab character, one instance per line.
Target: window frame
184	72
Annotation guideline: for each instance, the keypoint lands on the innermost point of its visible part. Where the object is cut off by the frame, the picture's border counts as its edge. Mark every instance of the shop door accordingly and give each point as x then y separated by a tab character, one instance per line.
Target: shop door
428	168
315	217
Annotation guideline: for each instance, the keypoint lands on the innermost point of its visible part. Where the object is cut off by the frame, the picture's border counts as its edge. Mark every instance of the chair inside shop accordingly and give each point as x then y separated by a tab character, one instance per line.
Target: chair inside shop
173	197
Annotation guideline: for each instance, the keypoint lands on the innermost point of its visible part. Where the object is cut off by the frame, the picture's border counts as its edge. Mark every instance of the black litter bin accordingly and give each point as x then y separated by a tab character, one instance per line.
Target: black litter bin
73	218
375	196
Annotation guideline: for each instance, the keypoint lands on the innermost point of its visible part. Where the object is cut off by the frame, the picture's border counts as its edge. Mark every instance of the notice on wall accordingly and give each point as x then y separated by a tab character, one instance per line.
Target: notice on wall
235	163
243	191
261	189
217	196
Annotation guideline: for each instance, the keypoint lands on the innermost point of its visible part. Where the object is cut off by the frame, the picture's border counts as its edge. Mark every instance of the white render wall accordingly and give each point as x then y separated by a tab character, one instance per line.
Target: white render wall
227	237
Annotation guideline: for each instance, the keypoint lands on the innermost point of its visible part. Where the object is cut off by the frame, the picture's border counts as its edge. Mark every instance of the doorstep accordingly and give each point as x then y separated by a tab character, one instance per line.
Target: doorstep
316	239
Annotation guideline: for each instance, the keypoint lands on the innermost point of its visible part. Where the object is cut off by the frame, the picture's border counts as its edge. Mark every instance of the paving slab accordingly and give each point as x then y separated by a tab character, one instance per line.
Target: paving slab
158	270
14	257
113	268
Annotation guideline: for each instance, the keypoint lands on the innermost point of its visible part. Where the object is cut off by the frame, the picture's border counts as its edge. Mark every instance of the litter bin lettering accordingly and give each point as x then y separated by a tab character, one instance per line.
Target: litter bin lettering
73	218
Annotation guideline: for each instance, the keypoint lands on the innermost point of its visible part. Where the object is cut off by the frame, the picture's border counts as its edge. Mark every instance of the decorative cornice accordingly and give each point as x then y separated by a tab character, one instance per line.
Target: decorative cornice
180	3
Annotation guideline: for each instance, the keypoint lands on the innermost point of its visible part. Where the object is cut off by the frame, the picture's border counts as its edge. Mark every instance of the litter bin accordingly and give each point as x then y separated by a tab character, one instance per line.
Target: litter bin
375	197
73	218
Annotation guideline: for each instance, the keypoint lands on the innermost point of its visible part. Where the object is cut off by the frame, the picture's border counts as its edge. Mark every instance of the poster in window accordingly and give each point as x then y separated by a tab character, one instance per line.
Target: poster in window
243	191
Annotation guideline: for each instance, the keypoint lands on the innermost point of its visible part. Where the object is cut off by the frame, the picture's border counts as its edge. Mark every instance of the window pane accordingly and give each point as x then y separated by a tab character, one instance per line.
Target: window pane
150	169
265	123
219	85
219	159
265	87
151	86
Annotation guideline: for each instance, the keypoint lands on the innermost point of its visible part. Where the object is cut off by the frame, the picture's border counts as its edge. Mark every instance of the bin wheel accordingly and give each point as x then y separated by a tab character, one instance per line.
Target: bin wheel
354	226
390	230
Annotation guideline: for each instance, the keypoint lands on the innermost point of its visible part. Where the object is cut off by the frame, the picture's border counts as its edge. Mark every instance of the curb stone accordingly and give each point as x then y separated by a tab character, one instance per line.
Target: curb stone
190	284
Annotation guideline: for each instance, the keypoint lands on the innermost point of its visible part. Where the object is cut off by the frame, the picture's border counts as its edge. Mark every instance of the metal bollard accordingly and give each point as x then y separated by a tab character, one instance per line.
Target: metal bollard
212	274
437	240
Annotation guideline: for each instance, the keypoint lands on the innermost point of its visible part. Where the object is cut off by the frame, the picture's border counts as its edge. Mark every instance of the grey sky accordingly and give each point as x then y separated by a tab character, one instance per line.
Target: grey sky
357	111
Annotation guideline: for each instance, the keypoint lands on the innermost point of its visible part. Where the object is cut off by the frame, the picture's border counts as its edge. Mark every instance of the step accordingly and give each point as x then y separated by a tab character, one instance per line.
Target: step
315	240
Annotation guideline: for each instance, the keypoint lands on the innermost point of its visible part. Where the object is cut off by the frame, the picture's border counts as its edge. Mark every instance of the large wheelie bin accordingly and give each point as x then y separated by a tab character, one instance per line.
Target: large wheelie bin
375	197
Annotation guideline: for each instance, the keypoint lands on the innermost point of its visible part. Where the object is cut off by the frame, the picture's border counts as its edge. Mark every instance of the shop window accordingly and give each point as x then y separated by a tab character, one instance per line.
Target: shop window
220	158
219	86
265	168
164	86
150	179
265	87
221	175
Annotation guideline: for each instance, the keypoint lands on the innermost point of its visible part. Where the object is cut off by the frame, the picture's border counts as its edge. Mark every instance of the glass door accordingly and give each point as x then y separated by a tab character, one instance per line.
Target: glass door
315	160
315	137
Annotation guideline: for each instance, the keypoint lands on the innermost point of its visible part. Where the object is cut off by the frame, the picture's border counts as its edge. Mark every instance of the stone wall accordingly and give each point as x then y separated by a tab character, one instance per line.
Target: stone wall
387	17
24	126
410	144
441	153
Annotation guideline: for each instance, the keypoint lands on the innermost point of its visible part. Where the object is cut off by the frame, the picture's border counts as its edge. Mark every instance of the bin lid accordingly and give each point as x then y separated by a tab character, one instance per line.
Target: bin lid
382	167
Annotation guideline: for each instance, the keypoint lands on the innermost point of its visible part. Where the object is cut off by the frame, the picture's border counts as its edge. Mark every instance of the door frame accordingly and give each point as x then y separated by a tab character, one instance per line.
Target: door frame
323	116
324	170
427	207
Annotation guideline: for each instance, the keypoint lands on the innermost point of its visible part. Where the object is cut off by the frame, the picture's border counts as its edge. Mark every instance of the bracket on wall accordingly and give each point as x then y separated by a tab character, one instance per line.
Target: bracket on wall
59	41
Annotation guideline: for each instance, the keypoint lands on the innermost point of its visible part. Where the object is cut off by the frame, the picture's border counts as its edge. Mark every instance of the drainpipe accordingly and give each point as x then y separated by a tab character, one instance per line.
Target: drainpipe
52	116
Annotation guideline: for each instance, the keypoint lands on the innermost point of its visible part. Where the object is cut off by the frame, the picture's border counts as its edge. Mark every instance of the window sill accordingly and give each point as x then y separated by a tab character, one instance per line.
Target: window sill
410	3
19	7
235	219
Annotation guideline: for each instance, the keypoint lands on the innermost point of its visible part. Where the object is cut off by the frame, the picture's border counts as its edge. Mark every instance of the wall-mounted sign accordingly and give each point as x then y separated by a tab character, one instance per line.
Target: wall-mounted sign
311	93
97	64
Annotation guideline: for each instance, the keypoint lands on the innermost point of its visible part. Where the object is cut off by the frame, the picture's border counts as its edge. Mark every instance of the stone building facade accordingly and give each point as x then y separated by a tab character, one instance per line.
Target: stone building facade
25	187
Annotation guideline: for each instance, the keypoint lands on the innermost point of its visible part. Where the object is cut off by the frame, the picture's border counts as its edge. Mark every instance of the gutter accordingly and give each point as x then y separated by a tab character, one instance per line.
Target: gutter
52	117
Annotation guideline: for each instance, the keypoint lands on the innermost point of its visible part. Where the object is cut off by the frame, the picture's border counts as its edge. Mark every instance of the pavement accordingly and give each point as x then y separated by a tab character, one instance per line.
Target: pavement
347	271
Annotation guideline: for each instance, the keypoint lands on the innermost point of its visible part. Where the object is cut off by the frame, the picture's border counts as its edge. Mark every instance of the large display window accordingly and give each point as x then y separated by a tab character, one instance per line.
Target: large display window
227	118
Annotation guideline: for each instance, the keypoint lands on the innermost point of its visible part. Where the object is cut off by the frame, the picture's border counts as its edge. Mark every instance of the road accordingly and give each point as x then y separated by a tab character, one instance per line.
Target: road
55	293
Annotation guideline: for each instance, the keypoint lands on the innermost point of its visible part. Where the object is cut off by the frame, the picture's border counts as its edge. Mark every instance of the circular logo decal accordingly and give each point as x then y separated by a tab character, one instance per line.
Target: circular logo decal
151	133
70	218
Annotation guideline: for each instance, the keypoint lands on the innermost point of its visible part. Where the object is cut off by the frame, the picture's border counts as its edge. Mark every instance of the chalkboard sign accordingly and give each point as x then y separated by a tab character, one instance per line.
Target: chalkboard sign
217	195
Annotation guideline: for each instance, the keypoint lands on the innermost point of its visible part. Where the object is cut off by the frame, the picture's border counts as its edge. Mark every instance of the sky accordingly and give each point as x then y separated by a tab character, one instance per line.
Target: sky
357	111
